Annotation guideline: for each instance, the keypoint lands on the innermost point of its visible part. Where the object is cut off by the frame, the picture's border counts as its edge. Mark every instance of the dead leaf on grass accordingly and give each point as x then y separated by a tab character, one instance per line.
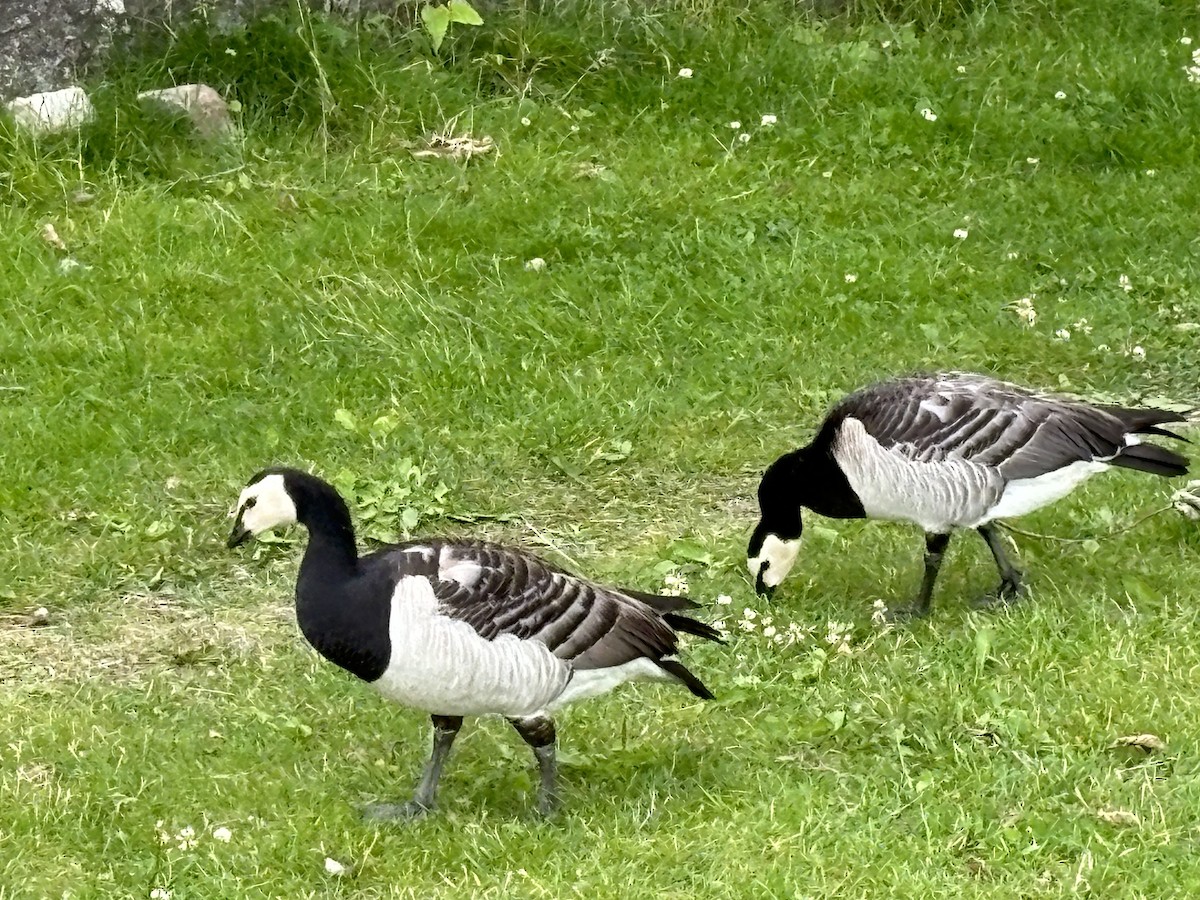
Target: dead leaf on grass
50	236
445	146
1147	743
1122	817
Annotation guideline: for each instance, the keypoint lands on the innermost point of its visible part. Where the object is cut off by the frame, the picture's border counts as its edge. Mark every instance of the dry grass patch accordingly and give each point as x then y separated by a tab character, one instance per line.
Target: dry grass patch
147	633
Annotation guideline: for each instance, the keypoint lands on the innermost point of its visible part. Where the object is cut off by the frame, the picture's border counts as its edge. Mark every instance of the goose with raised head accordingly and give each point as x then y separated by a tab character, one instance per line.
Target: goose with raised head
462	627
944	452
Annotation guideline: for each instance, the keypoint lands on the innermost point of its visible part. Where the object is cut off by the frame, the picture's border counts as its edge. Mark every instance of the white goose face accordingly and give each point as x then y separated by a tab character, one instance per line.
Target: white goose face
773	561
263	505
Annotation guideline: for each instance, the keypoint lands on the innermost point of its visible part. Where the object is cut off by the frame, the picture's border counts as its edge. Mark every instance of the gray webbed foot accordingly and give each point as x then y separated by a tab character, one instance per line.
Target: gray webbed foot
1009	591
395	812
912	612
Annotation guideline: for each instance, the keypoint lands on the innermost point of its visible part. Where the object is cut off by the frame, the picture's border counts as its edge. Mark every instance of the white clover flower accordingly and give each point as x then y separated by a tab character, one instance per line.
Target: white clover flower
850	277
674	585
748	625
1125	283
1185	40
879	613
160	894
748	613
535	265
724	599
1103	348
1060	95
1012	254
1138	353
960	234
719	625
735	124
1025	310
685	72
837	633
828	173
229	51
1152	172
928	115
1063	334
187	838
1186	501
744	137
768	120
1193	74
1082	326
525	121
769	631
883	45
333	867
961	70
222	834
1032	160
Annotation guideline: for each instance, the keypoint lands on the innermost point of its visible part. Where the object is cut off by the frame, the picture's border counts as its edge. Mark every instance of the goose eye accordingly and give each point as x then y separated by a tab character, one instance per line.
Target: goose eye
249	504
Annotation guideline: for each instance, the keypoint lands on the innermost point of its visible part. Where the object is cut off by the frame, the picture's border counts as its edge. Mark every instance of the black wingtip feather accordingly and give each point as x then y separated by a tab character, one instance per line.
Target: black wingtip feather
691	626
660	602
1153	459
680	671
1162	432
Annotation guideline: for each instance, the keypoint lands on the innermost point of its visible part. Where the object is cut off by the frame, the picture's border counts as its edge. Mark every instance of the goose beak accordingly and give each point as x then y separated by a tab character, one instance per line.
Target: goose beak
239	535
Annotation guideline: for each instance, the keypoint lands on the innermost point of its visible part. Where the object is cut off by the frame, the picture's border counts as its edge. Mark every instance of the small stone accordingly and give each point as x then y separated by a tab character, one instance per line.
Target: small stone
206	108
52	111
40	617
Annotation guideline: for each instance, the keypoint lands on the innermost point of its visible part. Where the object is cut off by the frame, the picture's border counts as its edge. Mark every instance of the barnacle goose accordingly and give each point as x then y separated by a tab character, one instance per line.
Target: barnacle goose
460	627
947	451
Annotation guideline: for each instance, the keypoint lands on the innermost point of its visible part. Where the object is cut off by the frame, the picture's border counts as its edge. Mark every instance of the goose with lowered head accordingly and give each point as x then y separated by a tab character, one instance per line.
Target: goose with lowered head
945	452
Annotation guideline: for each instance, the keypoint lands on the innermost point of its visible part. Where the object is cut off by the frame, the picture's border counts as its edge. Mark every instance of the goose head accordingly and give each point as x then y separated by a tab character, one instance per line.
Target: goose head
775	543
265	503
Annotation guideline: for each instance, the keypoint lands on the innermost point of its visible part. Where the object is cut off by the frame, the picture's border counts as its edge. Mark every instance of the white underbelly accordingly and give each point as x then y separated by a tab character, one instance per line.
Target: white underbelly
1024	495
593	682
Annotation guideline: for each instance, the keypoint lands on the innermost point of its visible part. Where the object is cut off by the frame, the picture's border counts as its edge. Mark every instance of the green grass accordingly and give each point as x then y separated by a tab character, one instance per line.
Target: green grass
694	317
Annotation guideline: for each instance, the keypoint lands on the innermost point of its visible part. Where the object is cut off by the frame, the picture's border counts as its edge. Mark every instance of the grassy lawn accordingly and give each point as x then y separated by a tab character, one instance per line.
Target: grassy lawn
314	295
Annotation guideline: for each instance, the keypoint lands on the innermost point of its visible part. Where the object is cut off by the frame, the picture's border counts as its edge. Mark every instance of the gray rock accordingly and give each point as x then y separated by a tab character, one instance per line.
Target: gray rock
52	111
202	104
48	44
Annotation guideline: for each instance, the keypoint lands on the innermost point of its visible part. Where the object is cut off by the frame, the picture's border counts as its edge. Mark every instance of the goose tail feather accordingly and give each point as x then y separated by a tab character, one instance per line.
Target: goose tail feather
1151	458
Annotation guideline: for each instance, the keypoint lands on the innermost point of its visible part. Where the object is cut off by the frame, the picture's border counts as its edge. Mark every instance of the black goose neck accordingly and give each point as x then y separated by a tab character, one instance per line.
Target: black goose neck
822	486
321	509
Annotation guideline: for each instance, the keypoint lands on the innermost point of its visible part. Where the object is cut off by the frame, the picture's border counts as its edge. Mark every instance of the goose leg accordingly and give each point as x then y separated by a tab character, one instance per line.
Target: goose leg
538	733
935	550
445	730
1010	577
